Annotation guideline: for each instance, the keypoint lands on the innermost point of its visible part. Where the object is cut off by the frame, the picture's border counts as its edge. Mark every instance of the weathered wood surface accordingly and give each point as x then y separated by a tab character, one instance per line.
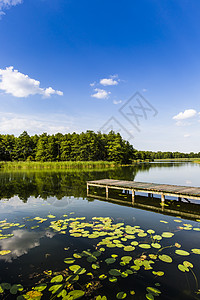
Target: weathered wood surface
167	189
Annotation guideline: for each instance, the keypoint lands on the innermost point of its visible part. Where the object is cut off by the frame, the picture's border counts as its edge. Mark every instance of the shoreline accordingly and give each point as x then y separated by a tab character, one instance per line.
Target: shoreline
33	165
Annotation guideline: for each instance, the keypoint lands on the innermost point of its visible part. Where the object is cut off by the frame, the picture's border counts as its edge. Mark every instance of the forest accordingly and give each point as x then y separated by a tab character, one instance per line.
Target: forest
86	146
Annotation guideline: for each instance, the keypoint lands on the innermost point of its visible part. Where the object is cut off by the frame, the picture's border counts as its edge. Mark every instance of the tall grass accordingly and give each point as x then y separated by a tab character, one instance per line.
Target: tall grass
56	165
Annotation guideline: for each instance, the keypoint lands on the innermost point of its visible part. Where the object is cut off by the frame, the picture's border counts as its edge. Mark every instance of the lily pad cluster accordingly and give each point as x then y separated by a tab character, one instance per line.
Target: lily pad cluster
114	252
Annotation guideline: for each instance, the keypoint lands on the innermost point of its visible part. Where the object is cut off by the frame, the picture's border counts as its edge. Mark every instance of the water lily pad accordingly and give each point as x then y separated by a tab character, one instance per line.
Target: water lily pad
76	255
54	288
188	264
101	298
136	267
72	278
128	271
157	237
113	279
132	292
41	287
96	253
182	252
167	234
4	252
76	294
124	239
149	296
153	256
103	276
62	294
111	245
102	249
142	234
158	273
78	270
15	288
196	251
134	243
165	258
110	260
154	291
115	272
130	237
51	216
95	266
129	248
145	246
156	245
58	278
5	286
124	274
151	231
183	268
126	259
121	295
69	260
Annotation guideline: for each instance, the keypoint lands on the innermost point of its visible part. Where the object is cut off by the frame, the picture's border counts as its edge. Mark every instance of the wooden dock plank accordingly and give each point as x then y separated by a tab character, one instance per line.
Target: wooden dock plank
147	187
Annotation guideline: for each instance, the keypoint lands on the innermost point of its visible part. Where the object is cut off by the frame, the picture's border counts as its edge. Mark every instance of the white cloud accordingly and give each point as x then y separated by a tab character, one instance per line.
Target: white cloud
101	94
117	102
108	81
6	4
188	113
19	85
92	84
15	123
186	135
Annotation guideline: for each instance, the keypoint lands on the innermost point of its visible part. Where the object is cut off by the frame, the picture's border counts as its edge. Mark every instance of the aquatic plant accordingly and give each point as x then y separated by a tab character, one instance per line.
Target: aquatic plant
85	273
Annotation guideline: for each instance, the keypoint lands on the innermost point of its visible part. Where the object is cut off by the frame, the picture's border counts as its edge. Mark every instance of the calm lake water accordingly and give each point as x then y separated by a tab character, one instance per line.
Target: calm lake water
57	243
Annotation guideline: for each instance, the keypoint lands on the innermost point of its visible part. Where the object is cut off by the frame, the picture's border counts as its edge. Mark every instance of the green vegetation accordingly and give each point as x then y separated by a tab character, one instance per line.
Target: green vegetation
88	146
118	254
150	155
23	165
84	149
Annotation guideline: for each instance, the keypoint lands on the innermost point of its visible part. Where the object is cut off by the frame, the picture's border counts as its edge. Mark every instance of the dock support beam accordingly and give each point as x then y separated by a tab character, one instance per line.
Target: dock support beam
87	188
133	196
162	201
162	198
106	192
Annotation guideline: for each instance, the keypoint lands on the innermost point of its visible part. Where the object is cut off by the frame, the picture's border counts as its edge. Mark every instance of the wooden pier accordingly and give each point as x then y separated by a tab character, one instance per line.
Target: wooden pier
179	191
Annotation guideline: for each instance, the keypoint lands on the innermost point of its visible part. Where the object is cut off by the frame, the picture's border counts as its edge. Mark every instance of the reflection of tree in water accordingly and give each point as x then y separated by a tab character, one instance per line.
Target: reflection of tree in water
64	183
59	184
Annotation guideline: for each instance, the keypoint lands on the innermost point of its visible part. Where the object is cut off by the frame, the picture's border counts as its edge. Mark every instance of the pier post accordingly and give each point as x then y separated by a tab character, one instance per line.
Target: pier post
163	201
133	196
162	198
106	192
87	188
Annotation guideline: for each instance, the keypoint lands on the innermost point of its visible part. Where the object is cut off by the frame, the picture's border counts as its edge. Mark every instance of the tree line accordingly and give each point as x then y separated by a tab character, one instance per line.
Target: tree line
150	155
88	146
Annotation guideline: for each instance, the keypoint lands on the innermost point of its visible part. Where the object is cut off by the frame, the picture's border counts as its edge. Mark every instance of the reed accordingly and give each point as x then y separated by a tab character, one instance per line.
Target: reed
56	165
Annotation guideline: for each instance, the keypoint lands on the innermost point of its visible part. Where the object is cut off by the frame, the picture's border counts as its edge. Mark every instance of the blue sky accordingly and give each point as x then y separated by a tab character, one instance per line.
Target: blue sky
72	66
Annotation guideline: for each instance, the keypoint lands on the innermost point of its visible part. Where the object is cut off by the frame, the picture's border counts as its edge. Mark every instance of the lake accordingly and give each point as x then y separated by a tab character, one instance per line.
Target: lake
57	243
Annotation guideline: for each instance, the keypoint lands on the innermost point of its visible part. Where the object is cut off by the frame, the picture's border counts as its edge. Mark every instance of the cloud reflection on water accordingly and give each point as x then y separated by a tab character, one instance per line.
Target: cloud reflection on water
22	241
